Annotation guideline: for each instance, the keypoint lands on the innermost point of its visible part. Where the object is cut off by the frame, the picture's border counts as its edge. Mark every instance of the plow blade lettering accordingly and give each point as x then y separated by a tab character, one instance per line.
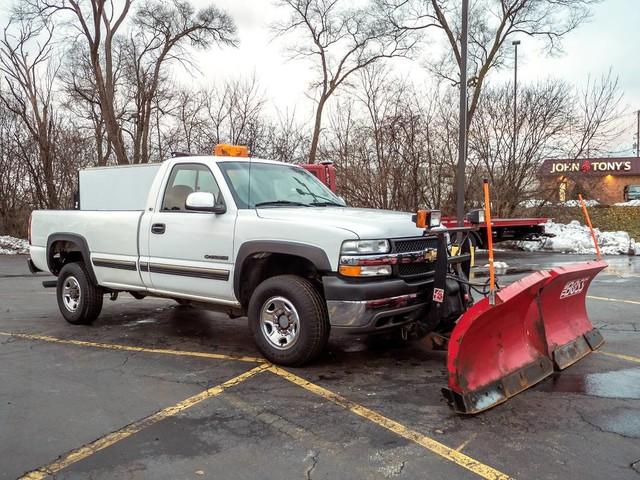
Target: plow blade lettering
569	333
539	321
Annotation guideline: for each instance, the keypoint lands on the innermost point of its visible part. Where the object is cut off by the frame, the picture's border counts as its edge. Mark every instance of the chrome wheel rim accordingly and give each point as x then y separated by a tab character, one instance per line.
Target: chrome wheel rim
280	323
71	294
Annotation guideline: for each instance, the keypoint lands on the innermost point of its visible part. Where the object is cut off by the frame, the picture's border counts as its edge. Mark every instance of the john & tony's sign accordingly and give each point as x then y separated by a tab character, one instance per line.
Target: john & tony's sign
592	166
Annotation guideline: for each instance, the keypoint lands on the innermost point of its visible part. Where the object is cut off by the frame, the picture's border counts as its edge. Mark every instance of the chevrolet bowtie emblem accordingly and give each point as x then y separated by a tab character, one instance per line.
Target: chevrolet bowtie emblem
430	254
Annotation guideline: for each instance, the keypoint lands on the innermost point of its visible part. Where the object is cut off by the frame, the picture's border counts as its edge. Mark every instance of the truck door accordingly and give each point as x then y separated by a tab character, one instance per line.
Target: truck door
190	252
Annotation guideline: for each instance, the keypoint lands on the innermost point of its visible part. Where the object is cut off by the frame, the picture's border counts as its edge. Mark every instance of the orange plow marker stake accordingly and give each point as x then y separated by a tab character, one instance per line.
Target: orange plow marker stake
487	218
588	220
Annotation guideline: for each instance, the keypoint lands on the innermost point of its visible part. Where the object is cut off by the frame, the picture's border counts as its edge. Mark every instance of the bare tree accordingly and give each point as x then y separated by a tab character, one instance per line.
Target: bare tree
545	115
340	40
162	32
83	101
389	144
14	176
286	139
596	122
25	61
491	24
97	22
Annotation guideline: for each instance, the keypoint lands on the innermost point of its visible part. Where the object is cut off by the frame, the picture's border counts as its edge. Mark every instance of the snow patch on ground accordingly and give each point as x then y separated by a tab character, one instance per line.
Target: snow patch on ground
576	203
630	203
498	265
13	246
532	203
576	238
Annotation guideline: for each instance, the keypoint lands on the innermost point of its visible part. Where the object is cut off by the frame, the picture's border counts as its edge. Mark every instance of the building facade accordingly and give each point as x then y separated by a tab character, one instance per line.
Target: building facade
608	180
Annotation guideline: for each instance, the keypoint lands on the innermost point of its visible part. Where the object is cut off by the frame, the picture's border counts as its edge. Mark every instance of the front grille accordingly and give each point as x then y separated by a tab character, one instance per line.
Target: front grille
406	270
416	244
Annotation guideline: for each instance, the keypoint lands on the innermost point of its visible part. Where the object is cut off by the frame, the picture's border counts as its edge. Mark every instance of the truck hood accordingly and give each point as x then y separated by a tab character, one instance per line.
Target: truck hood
366	223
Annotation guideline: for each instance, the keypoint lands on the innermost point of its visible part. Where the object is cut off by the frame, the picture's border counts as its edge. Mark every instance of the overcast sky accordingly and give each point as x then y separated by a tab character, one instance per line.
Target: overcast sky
610	40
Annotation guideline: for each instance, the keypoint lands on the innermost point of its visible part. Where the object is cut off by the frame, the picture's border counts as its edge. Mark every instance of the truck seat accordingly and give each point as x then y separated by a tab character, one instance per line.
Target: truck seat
176	197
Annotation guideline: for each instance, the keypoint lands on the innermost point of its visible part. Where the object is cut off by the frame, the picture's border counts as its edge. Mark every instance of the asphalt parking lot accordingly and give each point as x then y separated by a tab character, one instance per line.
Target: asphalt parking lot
155	390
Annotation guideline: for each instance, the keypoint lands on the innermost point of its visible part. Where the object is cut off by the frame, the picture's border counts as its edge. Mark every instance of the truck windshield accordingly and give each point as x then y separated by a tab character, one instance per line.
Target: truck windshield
258	184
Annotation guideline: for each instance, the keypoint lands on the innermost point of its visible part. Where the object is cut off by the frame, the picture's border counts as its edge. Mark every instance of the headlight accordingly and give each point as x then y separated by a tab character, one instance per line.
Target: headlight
434	218
476	216
364	247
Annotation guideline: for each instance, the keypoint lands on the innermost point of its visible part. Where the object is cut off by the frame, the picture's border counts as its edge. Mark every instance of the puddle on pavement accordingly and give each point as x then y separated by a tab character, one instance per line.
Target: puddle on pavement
615	384
140	322
622	420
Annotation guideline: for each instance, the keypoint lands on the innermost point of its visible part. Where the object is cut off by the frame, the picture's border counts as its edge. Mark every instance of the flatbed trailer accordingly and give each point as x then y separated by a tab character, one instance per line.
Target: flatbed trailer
504	229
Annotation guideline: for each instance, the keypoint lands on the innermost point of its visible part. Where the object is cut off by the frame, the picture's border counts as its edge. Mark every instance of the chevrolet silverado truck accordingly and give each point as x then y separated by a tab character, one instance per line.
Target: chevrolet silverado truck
249	237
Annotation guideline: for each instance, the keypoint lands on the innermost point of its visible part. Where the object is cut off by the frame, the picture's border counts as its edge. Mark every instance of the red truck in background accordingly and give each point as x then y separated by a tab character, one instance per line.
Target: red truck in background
503	229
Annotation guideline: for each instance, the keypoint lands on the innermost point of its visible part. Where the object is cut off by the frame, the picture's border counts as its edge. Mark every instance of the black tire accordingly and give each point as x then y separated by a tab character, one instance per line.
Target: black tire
89	298
313	320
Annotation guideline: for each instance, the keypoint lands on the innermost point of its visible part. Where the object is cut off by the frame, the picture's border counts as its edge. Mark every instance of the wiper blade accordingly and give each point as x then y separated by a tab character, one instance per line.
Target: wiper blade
326	204
281	202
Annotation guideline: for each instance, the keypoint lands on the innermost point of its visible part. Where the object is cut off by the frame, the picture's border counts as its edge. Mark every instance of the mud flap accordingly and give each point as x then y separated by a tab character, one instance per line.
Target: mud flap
569	333
537	322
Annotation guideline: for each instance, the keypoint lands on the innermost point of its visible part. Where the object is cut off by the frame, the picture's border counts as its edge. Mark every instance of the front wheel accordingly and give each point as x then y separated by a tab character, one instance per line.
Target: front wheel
288	320
79	300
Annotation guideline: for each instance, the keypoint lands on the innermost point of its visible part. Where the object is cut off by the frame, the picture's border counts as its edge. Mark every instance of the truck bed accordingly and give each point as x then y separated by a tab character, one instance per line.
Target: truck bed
113	236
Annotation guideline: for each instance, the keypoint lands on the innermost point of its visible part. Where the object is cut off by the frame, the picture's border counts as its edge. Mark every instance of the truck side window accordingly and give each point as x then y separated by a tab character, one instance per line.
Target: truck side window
185	179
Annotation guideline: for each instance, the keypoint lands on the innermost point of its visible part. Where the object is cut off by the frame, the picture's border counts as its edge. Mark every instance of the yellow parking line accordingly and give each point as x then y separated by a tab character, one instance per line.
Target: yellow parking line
629	358
607	299
83	452
430	444
112	346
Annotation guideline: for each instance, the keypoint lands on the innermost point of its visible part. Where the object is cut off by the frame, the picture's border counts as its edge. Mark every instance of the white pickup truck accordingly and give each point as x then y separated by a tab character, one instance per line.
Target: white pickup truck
248	237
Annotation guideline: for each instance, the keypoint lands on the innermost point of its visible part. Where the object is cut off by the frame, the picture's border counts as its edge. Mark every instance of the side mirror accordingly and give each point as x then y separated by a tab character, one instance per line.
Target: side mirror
204	202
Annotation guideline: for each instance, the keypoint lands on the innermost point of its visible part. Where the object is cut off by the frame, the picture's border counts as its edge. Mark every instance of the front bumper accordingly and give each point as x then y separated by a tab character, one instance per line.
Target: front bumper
367	307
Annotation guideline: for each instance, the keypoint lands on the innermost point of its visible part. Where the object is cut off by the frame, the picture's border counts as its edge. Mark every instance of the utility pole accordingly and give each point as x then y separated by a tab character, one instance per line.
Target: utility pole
462	134
515	43
638	136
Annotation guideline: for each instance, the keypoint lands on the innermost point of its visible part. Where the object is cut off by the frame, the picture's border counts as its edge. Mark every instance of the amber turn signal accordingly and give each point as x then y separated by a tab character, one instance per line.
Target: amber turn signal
350	270
422	218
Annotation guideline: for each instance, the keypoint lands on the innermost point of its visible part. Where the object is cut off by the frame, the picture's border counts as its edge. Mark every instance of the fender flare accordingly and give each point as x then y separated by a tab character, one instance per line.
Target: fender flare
83	246
314	254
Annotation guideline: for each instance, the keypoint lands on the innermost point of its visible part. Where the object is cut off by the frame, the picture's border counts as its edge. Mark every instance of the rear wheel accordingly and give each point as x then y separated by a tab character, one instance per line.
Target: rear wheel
79	300
288	320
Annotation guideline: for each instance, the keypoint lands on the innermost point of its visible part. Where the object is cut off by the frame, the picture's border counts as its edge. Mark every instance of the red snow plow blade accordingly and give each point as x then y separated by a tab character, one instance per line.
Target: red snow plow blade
569	333
537	323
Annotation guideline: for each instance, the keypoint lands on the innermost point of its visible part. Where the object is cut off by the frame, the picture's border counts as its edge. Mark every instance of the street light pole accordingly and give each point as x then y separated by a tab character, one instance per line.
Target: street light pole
515	43
638	136
462	133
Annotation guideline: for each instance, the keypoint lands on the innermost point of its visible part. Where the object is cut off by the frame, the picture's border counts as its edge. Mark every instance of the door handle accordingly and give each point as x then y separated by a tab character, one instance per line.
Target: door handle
158	228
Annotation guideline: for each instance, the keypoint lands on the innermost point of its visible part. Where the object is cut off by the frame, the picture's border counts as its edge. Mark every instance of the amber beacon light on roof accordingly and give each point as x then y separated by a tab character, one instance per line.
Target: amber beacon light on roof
227	150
